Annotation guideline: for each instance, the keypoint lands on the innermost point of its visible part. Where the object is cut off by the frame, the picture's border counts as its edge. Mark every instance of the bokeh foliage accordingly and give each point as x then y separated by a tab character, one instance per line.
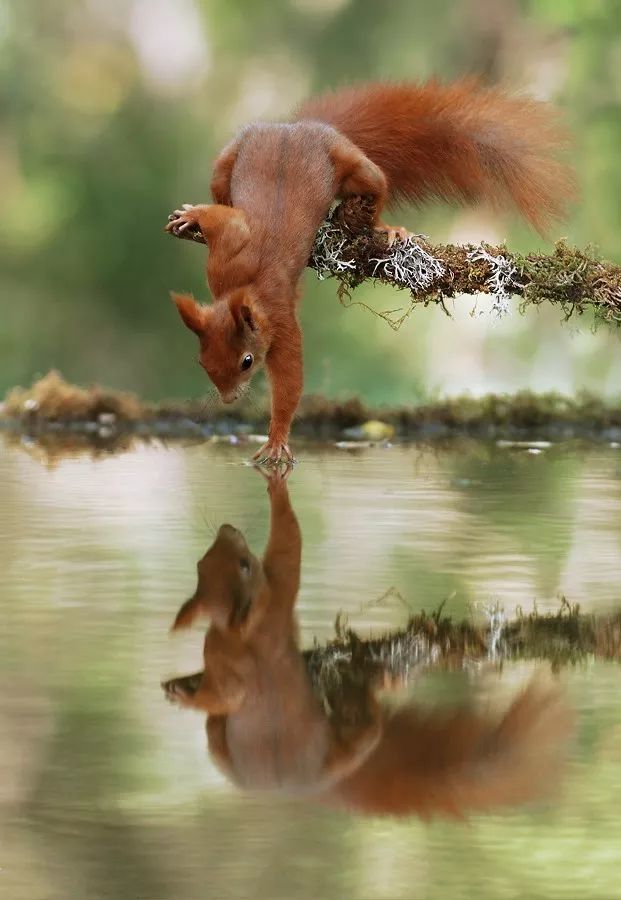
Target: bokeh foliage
111	112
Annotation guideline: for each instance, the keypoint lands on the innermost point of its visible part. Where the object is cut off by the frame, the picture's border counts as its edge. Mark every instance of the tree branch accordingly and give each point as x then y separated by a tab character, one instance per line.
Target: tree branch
347	248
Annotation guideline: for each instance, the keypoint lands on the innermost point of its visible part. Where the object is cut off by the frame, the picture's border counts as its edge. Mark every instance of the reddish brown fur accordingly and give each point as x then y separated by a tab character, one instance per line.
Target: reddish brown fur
267	728
457	762
274	184
455	142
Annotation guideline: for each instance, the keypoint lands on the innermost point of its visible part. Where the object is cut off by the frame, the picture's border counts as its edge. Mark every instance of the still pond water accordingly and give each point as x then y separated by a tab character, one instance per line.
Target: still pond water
107	791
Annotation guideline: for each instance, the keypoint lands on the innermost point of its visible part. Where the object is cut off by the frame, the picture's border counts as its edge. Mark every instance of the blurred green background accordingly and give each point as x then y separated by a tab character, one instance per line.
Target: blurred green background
112	111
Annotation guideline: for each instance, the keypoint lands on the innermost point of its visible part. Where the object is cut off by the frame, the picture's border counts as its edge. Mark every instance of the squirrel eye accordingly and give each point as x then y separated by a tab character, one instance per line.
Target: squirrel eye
244	565
246	362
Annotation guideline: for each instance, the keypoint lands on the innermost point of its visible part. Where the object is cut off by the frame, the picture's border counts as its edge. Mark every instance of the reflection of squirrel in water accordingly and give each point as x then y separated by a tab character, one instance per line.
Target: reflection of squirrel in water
273	185
268	729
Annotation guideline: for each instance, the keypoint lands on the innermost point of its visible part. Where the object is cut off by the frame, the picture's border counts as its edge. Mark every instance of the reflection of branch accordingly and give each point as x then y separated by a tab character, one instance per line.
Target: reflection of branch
348	249
434	641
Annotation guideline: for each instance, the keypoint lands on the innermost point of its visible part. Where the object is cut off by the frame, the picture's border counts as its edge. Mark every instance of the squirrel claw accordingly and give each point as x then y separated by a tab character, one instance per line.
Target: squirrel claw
175	693
272	454
275	475
393	232
182	219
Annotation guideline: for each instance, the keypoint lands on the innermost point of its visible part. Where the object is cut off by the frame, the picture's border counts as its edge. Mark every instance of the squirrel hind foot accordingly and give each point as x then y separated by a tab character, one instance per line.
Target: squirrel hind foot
393	232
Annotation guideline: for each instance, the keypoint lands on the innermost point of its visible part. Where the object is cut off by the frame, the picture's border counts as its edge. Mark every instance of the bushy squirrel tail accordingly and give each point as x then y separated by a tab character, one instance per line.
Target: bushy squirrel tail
459	762
458	142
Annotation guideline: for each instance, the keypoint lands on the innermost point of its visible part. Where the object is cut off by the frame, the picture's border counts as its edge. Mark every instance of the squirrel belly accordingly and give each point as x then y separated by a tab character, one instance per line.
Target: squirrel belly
272	186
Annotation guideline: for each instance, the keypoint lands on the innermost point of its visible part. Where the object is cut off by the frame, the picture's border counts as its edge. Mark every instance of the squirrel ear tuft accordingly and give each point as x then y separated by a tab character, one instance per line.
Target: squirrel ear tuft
241	310
192	313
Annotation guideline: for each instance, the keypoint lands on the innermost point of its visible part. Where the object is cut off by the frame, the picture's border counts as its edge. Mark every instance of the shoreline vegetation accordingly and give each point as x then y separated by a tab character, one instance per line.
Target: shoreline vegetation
55	415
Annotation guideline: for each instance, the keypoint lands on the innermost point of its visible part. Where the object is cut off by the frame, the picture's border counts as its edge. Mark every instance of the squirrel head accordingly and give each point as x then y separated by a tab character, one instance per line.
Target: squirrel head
230	578
232	339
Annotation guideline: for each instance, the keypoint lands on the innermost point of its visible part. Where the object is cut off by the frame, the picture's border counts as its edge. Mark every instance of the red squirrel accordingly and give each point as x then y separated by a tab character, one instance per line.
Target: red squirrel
274	183
265	727
269	728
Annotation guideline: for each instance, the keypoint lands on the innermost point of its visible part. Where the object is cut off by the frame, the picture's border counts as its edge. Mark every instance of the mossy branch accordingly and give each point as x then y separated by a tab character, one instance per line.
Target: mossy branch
347	248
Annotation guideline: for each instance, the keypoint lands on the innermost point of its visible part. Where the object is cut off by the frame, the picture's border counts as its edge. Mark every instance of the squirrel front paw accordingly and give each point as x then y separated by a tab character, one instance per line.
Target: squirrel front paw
276	476
185	220
273	453
179	691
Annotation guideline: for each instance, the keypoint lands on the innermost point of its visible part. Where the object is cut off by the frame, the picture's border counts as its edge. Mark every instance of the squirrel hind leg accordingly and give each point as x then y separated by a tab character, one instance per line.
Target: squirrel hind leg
356	175
349	748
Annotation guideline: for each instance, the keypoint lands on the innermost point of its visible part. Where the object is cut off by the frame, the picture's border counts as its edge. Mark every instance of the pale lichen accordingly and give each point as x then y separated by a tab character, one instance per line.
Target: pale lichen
407	264
501	282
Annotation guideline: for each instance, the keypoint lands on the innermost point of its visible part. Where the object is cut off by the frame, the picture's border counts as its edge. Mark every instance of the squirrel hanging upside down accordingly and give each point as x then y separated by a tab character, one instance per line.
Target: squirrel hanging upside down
274	184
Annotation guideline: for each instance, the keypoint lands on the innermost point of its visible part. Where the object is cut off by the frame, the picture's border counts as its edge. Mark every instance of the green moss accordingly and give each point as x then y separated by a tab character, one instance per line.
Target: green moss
572	279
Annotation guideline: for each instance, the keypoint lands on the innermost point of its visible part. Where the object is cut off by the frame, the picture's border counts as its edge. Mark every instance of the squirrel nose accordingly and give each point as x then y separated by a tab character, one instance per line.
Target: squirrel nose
228	396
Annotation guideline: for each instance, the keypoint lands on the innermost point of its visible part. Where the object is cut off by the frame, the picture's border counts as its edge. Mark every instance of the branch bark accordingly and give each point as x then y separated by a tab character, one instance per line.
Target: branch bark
347	248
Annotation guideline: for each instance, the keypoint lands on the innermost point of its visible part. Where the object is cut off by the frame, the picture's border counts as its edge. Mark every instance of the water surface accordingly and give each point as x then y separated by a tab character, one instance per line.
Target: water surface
107	791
